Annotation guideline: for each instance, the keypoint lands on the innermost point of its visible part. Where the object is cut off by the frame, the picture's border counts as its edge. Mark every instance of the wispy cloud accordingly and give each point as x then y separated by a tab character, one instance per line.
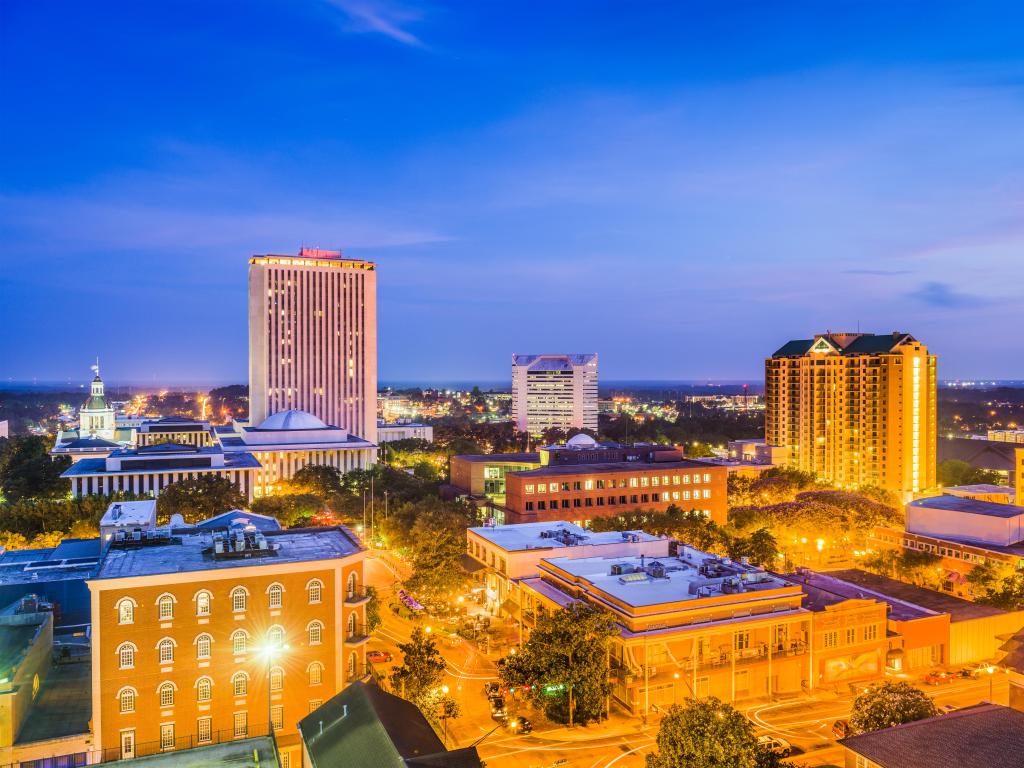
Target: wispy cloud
383	18
944	296
877	272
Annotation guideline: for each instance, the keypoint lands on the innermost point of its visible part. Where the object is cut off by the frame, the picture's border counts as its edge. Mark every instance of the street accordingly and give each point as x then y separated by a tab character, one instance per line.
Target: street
622	741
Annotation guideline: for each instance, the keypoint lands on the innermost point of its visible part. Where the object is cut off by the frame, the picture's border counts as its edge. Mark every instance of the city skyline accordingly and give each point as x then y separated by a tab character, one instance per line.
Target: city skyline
726	177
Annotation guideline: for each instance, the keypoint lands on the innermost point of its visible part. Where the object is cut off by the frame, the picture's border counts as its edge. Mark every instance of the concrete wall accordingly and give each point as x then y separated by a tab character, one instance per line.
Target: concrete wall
942	523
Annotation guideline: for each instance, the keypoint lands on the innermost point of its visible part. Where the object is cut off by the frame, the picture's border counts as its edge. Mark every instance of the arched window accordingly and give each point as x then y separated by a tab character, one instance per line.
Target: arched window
315	632
165	650
239	599
166	694
353	664
351	589
352	625
126	655
239	641
276	679
275	637
314	590
203	643
316	673
204	689
203	600
275	595
125	611
240	683
165	607
126	700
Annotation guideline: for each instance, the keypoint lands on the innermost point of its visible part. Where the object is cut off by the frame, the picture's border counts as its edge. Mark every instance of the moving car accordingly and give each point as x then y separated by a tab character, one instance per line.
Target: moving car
492	688
498	707
777	746
520	725
841	729
938	677
379	656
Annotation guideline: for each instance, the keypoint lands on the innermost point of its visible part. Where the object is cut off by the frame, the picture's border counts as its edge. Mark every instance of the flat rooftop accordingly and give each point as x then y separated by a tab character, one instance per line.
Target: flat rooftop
983	488
193	551
500	458
73	559
63	706
958	610
130	513
232	460
690	576
245	753
613	466
965	506
824	590
517	538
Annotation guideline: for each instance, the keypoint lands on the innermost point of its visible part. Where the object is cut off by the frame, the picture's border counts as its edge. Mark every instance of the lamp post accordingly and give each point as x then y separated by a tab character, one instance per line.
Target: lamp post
991	674
270	652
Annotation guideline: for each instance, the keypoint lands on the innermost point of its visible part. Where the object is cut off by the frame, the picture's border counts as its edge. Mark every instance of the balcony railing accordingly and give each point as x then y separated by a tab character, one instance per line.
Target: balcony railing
356	636
144	748
357	596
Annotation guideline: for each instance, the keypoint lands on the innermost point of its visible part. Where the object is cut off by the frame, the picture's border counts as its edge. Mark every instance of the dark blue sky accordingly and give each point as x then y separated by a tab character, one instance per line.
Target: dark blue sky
679	186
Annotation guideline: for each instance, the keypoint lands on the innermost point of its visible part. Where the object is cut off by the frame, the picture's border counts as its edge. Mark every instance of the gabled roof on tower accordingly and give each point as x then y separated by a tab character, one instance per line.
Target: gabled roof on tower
847	343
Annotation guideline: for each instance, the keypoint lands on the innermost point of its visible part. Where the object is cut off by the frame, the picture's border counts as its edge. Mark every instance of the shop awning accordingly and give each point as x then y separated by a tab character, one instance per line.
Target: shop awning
510	607
471	565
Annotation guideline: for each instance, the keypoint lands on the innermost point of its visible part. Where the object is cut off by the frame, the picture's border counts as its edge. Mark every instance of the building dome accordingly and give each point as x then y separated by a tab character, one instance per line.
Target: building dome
292	419
581	441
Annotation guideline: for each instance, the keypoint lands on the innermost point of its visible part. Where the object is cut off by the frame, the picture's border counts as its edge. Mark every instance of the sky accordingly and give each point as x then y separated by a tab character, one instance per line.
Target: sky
679	186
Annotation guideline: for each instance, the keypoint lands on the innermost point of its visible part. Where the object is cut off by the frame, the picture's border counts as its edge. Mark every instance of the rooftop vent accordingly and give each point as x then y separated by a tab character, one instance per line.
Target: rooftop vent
241	543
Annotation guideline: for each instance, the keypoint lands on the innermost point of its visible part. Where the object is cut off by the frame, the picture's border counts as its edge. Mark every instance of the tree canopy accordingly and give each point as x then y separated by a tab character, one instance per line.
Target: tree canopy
563	665
887	704
708	734
199	498
28	472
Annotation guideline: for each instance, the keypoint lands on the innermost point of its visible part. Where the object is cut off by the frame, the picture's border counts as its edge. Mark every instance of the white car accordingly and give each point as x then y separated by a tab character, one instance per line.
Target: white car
774	744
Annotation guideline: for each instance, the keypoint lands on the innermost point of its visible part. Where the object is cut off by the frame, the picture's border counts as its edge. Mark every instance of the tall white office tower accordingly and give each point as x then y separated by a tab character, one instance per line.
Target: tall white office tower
313	339
554	391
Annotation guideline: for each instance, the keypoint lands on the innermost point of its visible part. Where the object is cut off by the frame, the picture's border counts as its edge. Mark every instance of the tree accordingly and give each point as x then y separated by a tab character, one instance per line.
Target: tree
887	704
708	734
957	472
373	618
438	543
564	664
421	672
27	471
1008	595
290	509
318	479
199	498
760	547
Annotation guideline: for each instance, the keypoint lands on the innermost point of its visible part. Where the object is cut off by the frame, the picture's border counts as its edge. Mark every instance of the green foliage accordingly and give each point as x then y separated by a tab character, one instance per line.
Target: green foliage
437	541
422	670
569	649
1008	594
199	498
373	617
956	472
887	704
291	510
708	734
27	471
319	480
760	547
696	423
691	527
77	518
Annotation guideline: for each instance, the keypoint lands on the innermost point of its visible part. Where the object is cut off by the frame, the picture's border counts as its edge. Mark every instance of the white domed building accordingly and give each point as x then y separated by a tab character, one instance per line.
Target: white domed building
286	441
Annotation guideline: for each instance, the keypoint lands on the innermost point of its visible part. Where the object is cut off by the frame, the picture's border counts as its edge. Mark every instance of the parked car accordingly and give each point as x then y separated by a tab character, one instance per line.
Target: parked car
945	709
378	657
520	725
492	688
841	729
938	677
975	671
777	746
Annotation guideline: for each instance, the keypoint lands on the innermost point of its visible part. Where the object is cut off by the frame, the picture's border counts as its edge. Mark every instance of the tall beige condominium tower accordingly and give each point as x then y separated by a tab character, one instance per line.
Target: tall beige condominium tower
313	338
855	409
554	391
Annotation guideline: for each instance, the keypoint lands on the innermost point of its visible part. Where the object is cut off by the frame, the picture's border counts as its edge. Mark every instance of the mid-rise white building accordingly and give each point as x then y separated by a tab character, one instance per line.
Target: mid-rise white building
557	391
313	339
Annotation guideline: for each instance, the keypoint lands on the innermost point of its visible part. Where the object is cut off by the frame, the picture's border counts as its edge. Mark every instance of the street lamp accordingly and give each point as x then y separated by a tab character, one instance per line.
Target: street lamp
991	674
270	652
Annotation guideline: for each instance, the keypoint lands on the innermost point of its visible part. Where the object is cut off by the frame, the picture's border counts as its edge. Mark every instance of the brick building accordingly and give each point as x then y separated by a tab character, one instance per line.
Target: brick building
203	637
